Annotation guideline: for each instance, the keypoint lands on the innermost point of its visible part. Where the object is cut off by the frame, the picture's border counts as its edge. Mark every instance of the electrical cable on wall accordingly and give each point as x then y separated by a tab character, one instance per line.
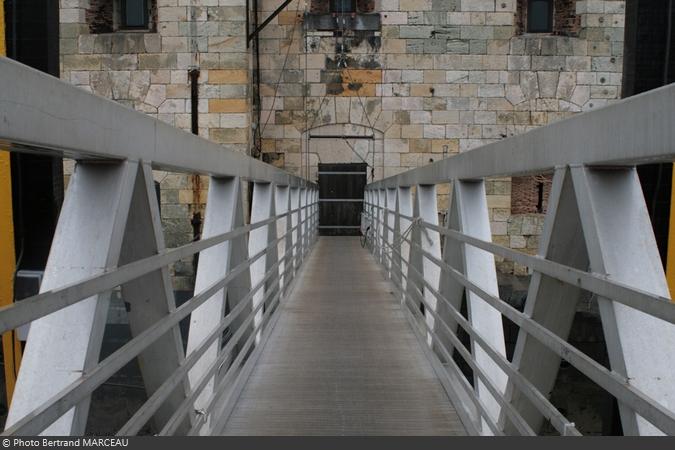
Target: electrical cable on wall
283	67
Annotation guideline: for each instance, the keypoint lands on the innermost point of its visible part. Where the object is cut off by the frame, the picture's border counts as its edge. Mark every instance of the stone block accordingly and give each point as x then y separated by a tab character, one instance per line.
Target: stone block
157	61
228	76
450	146
553	63
412	131
445	5
420	145
228	105
577	63
229	135
415	5
457	46
491	90
444	117
415	31
548	83
435	45
81	62
566	85
396	145
529	85
477	32
478	5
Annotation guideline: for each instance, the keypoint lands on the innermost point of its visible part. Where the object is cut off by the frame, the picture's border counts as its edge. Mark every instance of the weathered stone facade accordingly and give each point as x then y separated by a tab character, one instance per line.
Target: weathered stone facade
437	77
148	71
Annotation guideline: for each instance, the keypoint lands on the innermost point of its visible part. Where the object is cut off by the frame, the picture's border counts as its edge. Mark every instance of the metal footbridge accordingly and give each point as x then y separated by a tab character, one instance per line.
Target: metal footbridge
293	333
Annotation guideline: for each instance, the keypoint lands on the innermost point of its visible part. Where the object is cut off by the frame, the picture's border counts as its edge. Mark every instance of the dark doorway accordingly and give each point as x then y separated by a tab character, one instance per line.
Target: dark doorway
32	38
649	62
341	188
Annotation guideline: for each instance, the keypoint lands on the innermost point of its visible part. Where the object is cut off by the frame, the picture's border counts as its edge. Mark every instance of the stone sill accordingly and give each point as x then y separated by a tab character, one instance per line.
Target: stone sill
130	32
544	36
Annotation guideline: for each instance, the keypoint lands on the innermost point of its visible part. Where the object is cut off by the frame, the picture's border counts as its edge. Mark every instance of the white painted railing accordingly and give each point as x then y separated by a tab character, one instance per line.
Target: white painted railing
109	234
597	238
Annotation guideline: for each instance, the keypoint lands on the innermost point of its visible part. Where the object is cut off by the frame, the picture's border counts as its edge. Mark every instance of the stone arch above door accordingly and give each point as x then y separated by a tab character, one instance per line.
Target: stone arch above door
342	143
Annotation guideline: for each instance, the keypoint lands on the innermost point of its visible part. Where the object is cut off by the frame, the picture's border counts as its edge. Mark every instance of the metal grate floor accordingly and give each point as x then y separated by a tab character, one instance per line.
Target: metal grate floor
342	359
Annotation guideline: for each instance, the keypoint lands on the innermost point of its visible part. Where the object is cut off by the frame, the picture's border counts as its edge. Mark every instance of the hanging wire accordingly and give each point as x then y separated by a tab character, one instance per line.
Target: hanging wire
341	63
283	67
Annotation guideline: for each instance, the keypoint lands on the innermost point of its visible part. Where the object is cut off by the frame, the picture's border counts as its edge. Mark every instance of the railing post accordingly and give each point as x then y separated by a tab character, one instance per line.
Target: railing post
88	239
621	243
426	208
404	207
150	297
295	235
375	225
282	203
224	212
390	201
470	207
549	302
304	214
315	211
262	208
381	236
366	204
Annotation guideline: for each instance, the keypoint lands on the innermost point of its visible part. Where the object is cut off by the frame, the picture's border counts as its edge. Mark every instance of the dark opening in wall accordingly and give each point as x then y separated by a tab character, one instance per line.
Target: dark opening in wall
106	16
32	38
342	6
540	16
100	16
529	195
649	62
339	6
134	14
557	17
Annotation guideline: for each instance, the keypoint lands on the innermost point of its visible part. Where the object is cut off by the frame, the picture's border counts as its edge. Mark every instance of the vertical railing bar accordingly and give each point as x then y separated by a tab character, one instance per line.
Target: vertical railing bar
654	305
611	381
243	374
538	399
515	417
64	400
145	412
469	389
183	409
518	421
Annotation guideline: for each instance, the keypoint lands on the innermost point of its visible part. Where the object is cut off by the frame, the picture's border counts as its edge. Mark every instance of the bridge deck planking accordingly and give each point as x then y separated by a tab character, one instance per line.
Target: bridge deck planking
342	359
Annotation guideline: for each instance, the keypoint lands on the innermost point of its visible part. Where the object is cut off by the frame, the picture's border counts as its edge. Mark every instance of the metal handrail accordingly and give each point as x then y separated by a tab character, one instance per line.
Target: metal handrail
41	114
34	423
593	157
611	381
39	305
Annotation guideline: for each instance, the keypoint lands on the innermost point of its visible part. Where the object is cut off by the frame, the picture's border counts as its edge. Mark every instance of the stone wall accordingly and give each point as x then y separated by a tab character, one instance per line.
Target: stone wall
148	71
439	77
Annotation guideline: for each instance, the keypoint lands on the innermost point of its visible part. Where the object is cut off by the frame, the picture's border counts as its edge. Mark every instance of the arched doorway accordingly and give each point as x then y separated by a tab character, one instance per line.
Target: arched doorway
342	159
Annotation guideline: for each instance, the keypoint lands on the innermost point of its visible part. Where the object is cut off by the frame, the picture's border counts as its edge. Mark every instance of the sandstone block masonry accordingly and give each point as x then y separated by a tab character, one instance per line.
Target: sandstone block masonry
148	70
435	78
441	77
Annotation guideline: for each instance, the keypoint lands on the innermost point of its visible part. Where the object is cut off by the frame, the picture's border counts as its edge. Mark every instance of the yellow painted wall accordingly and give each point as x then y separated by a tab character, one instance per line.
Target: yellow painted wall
670	264
10	345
